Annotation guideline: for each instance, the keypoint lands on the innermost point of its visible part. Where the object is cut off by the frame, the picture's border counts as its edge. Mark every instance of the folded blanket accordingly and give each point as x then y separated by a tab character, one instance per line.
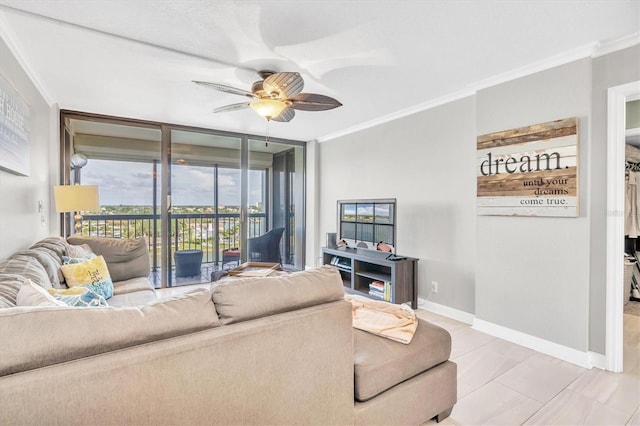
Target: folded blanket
395	322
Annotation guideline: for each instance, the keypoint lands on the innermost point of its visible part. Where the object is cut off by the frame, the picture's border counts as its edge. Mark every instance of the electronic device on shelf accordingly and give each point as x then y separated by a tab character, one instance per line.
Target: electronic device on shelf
367	223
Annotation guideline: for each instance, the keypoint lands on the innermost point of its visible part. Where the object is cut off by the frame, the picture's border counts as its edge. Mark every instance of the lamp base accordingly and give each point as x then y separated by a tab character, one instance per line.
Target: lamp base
77	218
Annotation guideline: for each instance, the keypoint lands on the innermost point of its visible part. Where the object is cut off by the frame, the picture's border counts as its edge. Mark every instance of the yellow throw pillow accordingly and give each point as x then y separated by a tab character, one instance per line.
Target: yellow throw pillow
91	273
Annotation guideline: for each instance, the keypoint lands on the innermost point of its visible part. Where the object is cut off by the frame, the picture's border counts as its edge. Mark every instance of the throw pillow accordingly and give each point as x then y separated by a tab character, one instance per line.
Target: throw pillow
92	273
31	294
82	250
78	296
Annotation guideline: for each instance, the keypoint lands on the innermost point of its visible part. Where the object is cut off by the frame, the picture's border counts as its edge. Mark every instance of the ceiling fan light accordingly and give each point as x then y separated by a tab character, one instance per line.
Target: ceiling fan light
268	108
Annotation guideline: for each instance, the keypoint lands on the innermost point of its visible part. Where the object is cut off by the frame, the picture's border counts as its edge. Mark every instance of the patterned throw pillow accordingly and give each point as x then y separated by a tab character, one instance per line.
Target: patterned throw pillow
82	250
91	273
67	260
78	296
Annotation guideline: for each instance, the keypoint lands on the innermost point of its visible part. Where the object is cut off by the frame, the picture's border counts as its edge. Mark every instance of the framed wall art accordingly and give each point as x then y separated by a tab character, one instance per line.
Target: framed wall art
529	171
14	130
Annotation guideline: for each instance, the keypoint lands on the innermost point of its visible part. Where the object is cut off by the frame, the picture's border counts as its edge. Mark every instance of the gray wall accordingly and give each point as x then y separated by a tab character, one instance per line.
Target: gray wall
541	276
532	274
20	224
427	162
608	71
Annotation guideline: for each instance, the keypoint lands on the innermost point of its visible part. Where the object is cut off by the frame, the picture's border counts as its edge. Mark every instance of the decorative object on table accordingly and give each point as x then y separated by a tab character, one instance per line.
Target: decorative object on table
14	131
255	269
76	199
342	243
275	96
331	240
381	246
529	171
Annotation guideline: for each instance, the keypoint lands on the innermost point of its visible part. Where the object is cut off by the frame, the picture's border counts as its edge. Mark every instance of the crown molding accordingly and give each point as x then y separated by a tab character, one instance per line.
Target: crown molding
614	45
399	114
591	50
10	39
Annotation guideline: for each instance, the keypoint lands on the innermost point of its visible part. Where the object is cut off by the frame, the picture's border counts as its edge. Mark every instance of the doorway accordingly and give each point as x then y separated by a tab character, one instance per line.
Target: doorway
616	133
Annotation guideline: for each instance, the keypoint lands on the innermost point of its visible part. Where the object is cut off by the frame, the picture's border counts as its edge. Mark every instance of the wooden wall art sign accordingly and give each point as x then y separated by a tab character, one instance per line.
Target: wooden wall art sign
529	171
14	131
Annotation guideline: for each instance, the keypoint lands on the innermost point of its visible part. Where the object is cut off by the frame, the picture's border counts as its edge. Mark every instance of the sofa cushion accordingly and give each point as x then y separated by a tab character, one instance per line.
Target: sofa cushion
31	294
126	258
132	285
91	273
381	363
135	298
10	285
28	267
242	299
59	334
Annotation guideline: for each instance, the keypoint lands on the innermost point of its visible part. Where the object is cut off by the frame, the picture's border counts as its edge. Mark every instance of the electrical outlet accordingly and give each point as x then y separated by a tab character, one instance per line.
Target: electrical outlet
434	286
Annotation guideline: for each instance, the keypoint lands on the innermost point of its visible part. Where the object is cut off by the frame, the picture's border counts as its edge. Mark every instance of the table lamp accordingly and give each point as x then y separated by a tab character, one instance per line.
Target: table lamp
76	198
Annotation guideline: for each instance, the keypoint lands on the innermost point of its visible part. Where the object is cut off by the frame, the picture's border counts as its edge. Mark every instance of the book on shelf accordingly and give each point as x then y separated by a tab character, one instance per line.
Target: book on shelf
380	289
341	262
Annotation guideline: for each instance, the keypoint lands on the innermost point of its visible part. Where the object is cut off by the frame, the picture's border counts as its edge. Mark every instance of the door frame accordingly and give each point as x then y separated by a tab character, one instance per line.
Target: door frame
617	98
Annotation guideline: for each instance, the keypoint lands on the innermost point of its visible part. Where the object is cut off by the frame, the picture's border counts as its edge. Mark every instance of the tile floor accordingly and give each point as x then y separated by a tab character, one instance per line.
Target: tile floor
501	383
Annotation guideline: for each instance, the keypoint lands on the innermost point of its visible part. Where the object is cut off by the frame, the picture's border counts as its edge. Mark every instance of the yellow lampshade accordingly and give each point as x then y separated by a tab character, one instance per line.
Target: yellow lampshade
76	198
268	108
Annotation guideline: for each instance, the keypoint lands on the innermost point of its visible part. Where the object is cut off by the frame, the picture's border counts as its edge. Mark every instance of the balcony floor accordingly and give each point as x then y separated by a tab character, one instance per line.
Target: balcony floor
203	278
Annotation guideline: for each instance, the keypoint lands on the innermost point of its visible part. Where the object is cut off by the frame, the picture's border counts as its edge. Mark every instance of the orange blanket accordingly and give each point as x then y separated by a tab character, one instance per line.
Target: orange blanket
395	322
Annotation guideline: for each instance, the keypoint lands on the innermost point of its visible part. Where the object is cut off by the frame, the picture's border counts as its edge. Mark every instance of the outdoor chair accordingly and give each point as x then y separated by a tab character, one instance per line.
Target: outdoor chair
231	255
188	263
266	247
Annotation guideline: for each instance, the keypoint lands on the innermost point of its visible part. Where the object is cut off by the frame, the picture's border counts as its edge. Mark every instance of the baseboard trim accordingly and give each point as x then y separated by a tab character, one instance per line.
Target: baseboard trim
556	350
446	311
598	360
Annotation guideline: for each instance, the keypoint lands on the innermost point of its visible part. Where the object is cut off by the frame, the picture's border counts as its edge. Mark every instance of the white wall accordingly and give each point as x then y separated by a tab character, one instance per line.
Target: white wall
427	162
20	221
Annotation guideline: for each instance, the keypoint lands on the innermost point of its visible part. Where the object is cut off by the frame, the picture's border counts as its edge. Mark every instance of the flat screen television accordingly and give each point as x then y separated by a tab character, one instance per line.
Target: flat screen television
365	223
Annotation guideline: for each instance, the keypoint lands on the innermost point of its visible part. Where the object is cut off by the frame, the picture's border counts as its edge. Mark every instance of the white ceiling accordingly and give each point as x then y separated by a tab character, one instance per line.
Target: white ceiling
379	57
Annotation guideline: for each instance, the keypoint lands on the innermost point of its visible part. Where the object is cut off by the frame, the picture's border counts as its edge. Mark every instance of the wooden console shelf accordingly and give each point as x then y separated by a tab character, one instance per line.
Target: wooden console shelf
359	268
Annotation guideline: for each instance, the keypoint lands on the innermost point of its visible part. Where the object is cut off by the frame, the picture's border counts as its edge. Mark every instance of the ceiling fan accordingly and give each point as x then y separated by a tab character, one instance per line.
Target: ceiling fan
275	96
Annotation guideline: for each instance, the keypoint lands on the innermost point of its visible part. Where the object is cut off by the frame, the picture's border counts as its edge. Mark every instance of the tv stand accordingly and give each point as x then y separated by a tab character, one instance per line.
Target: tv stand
360	268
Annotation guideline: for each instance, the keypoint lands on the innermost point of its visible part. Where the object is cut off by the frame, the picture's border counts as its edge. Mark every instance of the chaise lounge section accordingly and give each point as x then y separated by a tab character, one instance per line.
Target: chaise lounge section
274	350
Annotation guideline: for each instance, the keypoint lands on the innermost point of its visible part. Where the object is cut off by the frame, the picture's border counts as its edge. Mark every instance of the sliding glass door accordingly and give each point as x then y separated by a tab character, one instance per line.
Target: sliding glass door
203	199
204	216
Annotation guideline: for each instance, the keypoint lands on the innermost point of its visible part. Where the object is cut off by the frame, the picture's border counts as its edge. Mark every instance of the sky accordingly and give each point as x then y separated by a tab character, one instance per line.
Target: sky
131	183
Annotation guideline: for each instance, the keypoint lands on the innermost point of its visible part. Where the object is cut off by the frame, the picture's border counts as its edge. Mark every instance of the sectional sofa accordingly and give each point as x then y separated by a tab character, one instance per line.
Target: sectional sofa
277	350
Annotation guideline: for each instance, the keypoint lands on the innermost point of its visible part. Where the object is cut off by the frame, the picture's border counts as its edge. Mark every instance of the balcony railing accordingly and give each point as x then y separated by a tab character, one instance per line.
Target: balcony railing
208	232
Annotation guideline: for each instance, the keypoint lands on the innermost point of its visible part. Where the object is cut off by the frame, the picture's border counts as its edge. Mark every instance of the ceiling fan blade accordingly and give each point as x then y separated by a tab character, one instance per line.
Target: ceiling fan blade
225	88
286	115
313	102
232	107
287	84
